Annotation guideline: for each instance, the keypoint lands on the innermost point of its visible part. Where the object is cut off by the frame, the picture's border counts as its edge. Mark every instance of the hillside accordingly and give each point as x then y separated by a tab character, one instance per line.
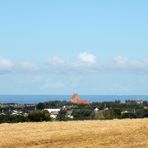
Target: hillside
103	134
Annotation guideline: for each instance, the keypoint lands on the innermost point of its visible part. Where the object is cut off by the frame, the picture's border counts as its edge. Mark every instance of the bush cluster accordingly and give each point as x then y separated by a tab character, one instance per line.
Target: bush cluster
35	116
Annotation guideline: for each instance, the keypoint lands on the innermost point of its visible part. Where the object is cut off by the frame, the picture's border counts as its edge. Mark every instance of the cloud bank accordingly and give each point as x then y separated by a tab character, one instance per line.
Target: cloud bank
125	64
28	67
80	72
6	65
83	62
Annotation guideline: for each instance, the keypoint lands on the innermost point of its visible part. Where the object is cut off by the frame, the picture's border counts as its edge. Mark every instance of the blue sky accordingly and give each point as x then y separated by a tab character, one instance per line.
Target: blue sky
84	46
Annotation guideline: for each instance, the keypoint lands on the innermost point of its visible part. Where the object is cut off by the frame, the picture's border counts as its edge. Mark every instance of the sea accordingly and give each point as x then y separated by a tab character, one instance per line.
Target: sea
32	99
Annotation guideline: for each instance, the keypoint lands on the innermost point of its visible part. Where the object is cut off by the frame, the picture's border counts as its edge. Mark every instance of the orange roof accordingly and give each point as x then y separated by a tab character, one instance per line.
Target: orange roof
82	102
74	95
76	100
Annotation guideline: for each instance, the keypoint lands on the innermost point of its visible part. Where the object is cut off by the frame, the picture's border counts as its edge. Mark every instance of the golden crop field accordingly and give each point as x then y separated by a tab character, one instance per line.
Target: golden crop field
76	134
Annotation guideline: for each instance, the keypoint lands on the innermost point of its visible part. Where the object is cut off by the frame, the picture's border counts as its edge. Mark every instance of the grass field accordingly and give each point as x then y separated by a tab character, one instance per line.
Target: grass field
96	134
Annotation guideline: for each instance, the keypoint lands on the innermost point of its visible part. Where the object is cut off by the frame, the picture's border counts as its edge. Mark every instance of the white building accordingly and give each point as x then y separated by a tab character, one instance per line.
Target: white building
53	112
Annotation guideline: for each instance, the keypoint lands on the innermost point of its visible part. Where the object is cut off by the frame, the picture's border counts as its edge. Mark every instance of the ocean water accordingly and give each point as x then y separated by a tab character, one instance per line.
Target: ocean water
41	98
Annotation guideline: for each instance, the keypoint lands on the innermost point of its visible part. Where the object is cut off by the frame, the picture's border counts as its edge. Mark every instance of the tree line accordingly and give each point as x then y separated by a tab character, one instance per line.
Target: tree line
106	110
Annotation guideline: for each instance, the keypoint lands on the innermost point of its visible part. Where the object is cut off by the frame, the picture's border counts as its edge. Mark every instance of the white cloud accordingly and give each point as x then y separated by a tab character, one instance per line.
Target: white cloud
87	58
141	65
126	64
84	62
6	65
56	61
87	62
28	67
120	60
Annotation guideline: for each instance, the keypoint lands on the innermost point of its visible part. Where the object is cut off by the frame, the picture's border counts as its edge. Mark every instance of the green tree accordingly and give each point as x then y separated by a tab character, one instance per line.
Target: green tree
62	115
83	114
38	116
40	106
117	113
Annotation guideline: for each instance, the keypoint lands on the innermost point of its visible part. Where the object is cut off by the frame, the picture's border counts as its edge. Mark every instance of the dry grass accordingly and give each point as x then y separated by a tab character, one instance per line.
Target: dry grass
83	134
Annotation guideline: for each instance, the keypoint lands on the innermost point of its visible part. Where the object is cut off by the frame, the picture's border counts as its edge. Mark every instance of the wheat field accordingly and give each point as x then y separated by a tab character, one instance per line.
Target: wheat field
76	134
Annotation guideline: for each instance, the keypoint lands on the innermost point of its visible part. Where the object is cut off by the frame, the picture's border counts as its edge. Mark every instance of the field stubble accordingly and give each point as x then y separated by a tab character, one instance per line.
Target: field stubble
84	134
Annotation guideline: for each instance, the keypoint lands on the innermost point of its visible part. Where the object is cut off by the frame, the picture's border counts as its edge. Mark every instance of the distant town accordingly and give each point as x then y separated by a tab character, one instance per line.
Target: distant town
74	109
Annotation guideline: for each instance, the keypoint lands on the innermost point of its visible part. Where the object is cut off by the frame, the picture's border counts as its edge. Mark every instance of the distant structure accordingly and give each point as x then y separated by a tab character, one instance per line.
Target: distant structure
53	112
75	99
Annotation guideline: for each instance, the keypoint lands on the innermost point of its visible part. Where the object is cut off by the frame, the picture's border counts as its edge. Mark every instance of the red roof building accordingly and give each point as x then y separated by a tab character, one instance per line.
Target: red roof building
75	99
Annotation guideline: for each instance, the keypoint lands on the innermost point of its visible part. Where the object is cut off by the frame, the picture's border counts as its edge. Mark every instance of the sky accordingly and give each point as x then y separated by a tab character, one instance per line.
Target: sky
91	47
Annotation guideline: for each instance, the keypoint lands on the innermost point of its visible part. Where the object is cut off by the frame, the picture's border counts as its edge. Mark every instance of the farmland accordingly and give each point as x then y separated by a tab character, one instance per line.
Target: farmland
127	133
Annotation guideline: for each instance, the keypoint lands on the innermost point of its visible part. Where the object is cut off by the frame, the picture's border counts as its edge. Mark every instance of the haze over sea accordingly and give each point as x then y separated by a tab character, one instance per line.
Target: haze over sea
41	98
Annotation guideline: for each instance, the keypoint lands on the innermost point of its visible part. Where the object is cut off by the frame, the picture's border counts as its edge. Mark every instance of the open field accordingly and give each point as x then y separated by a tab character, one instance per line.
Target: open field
96	134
